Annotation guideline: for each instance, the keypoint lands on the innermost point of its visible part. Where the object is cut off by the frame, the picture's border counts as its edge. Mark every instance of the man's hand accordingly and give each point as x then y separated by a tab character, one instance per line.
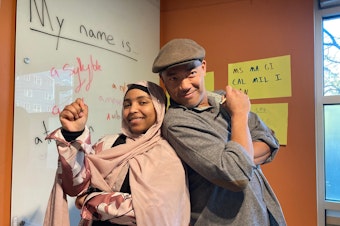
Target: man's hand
236	102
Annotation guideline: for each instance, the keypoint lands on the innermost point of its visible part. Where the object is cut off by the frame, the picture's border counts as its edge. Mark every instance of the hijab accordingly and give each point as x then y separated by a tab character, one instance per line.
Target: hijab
157	177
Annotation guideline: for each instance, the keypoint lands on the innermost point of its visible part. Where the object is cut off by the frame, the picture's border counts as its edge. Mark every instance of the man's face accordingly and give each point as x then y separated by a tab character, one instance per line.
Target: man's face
186	85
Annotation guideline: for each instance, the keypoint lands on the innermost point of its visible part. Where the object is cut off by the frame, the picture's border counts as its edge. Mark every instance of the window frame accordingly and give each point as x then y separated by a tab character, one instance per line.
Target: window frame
327	211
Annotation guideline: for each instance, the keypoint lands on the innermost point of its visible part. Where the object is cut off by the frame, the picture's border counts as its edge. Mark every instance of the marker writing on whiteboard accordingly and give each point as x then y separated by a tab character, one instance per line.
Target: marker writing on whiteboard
84	72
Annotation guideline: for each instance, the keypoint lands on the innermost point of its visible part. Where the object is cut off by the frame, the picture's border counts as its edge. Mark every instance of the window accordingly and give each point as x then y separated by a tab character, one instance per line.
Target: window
327	93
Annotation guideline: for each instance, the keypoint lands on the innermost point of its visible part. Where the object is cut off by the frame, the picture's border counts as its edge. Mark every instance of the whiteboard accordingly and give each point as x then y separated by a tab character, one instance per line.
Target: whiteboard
67	49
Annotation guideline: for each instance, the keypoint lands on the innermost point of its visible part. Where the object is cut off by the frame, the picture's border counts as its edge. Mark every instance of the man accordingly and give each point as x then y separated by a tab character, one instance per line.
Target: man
221	142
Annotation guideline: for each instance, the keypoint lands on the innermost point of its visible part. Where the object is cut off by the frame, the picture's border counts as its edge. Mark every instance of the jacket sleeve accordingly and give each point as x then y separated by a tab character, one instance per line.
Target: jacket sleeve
115	207
220	161
261	132
72	171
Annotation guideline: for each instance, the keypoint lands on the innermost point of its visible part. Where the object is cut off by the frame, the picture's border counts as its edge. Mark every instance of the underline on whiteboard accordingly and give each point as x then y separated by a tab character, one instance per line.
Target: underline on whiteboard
85	43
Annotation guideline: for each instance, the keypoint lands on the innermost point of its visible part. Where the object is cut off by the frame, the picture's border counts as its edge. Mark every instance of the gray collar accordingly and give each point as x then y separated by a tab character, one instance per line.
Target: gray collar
213	100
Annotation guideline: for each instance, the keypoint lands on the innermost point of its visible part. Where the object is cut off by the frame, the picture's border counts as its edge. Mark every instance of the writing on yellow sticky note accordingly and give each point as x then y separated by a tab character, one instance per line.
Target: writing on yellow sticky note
264	78
275	116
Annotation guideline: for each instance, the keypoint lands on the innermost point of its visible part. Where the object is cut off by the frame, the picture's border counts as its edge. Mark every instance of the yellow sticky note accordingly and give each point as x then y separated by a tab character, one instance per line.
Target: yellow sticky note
264	78
209	81
275	116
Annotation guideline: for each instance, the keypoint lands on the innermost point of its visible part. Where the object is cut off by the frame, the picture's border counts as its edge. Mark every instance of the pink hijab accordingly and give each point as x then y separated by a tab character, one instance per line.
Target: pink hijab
158	183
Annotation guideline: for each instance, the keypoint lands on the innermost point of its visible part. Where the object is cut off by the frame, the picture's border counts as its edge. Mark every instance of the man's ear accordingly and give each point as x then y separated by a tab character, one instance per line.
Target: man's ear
204	65
160	76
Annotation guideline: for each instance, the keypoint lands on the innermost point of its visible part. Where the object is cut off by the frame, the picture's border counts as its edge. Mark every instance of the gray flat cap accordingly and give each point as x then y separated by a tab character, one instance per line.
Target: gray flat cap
177	52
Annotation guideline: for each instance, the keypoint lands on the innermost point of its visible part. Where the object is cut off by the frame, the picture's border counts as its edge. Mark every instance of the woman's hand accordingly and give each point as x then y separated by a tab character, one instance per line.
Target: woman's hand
80	201
74	116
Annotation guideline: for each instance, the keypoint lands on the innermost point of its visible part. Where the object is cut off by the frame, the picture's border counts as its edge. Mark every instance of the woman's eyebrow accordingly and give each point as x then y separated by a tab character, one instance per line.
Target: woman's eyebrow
138	98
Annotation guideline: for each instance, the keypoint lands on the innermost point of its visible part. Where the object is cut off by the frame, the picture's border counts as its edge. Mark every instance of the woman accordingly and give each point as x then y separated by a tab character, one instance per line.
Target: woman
130	178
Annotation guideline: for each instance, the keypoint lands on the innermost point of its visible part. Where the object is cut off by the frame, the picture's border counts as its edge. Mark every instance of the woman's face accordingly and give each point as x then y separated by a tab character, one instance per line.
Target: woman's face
138	111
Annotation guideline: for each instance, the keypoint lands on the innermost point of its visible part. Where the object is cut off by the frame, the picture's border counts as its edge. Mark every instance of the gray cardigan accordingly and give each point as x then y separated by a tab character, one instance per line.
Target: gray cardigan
226	188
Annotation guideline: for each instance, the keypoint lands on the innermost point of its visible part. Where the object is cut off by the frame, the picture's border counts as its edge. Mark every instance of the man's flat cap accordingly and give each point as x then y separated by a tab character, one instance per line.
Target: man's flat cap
177	52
